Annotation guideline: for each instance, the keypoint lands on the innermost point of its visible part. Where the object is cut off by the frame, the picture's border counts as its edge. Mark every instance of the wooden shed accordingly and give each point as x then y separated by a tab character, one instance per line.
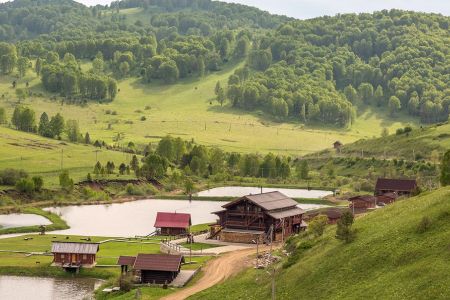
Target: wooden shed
362	202
402	187
157	268
126	262
74	254
254	217
172	223
387	198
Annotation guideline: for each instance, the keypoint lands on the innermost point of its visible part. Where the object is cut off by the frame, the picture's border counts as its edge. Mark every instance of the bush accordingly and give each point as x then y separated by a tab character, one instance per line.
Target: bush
25	186
399	131
125	283
295	255
38	183
424	225
90	194
11	176
317	225
134	190
344	231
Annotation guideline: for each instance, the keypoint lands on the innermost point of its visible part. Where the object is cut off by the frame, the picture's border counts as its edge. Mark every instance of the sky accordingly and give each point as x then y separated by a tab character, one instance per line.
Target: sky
304	9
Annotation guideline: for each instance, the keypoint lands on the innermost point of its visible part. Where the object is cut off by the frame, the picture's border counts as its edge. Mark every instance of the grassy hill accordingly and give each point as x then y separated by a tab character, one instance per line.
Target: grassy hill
185	109
389	259
42	156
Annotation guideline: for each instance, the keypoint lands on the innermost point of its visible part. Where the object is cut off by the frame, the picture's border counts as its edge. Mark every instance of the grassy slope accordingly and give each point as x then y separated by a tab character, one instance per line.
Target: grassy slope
388	260
38	155
184	108
421	140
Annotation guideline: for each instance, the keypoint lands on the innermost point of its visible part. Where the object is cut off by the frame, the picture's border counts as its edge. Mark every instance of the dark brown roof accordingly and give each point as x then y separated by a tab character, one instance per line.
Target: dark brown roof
366	198
172	220
267	201
333	213
126	260
396	184
158	262
286	213
75	247
391	196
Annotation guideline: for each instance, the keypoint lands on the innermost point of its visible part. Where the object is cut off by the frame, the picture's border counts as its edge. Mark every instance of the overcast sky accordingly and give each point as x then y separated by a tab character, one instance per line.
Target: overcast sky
314	8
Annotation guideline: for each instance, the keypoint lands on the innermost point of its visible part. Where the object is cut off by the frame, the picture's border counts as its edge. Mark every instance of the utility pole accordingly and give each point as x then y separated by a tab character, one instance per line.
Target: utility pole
273	283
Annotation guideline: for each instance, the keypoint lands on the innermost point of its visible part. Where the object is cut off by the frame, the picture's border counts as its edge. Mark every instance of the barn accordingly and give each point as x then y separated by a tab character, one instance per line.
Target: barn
255	217
74	254
402	187
154	268
362	202
172	223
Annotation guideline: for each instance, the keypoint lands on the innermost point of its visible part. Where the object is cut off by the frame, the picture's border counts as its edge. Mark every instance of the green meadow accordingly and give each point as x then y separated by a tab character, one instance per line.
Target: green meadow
400	252
188	110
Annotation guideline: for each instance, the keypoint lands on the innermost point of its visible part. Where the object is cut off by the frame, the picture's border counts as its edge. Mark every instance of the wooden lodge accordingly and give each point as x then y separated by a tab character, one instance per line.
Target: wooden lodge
73	255
402	187
253	217
172	223
153	268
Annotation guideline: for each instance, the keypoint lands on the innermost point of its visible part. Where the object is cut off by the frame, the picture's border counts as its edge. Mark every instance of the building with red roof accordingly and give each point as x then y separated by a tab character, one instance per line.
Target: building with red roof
172	223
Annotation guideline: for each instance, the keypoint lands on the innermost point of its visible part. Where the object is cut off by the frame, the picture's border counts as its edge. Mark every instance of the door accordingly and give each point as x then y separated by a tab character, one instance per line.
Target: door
73	258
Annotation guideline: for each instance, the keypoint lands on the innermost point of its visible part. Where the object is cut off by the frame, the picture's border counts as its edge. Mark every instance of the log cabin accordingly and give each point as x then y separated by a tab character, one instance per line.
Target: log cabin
362	202
153	268
255	218
402	187
333	214
172	223
74	255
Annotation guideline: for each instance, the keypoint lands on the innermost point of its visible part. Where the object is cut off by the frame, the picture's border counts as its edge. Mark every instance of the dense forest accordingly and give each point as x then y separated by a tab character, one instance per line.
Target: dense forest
318	70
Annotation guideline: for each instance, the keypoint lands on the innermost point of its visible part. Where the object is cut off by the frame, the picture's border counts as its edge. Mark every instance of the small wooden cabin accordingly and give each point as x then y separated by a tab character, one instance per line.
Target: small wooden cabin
387	198
363	202
253	217
172	223
332	214
126	262
74	254
154	268
402	187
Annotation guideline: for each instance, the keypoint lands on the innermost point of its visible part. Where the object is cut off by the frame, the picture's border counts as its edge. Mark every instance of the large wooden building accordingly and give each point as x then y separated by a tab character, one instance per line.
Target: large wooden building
253	217
74	254
402	187
153	268
362	202
172	223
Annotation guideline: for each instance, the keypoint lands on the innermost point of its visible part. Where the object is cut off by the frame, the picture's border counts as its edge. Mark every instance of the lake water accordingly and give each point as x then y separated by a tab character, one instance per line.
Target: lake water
239	191
134	218
20	220
130	218
26	288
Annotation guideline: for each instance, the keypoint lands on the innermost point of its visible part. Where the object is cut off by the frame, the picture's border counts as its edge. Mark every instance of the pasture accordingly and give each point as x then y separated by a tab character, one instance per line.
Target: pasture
143	113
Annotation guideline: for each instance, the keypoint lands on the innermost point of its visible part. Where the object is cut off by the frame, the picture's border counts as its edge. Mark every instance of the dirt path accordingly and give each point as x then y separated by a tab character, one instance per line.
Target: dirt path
216	271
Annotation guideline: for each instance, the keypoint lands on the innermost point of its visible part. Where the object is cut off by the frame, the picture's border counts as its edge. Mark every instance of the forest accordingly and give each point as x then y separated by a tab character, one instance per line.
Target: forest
311	71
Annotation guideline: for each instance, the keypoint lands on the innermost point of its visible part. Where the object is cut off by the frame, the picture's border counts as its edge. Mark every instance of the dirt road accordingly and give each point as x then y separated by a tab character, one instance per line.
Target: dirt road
216	271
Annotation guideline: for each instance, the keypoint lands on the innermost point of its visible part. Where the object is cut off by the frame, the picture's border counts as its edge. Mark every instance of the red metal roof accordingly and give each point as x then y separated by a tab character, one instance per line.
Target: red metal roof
126	260
172	220
158	262
396	184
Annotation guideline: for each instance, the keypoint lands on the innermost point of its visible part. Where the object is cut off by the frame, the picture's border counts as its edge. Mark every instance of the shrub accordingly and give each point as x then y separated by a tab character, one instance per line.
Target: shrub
399	131
90	194
125	283
38	183
25	186
11	176
344	231
423	225
134	190
65	181
317	225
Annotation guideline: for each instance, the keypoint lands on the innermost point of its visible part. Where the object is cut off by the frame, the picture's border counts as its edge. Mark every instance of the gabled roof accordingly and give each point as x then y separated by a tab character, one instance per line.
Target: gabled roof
365	198
172	220
75	247
267	201
158	262
286	213
126	260
396	184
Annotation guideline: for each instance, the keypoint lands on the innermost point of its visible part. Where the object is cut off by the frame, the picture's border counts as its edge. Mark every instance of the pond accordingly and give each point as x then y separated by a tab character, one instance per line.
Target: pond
130	218
239	191
19	287
20	220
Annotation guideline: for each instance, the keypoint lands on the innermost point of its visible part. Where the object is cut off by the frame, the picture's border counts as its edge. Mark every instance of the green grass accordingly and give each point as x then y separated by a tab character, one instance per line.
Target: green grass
198	246
199	227
57	222
389	259
38	155
183	110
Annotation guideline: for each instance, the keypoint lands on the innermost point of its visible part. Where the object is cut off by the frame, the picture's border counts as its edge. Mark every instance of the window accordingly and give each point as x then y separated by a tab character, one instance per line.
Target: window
62	256
84	256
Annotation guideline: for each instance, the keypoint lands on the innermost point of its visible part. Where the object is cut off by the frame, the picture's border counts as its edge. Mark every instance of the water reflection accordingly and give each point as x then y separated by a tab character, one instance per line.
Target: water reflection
26	288
19	220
